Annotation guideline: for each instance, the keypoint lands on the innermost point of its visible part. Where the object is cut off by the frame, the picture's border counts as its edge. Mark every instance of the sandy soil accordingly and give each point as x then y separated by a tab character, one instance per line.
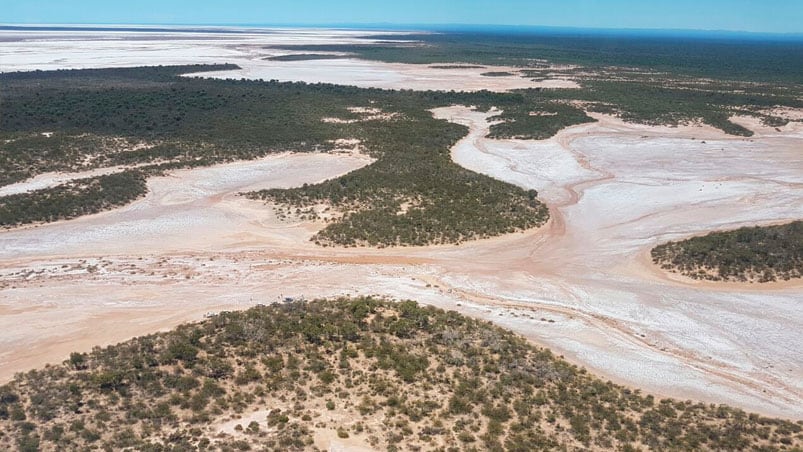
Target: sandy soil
203	201
754	124
371	74
625	189
49	180
580	285
30	50
325	438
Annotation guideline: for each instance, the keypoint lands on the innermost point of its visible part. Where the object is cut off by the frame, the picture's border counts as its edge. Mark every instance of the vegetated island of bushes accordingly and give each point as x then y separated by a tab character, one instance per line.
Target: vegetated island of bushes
72	199
412	195
75	120
392	376
755	254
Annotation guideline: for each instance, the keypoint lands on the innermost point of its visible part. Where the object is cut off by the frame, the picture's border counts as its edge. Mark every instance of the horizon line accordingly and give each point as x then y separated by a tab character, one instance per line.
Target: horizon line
412	27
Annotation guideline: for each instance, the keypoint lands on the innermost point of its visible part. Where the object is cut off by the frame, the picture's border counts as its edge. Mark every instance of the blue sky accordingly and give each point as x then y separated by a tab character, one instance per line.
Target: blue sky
772	16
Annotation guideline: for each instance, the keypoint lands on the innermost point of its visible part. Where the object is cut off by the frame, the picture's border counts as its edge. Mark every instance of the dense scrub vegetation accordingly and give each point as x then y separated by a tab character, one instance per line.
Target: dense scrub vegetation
148	116
395	376
497	74
446	203
756	254
536	119
413	194
654	100
756	60
651	81
73	199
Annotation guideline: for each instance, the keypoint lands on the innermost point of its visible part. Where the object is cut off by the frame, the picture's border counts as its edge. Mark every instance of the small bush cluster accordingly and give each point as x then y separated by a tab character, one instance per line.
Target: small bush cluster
755	254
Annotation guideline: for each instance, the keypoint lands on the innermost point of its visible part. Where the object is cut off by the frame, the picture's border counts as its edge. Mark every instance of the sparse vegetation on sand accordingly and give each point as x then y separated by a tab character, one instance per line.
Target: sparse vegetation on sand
394	376
755	254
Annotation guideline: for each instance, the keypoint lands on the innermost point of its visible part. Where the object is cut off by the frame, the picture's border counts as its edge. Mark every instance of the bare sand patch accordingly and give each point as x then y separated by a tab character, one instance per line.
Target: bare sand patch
204	201
52	179
754	124
364	114
374	74
792	114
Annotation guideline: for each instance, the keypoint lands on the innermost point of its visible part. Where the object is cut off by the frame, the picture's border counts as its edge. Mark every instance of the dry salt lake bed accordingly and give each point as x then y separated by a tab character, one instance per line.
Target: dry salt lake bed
582	285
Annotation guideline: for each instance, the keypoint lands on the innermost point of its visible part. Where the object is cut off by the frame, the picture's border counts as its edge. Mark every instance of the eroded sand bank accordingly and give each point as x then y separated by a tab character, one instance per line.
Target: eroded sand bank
581	285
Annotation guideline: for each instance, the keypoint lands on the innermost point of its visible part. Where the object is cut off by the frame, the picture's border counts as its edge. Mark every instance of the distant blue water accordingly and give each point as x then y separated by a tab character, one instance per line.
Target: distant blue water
633	33
445	28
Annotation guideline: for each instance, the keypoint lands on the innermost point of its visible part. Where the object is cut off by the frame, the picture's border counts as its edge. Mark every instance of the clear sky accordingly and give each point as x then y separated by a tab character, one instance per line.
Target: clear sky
772	16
